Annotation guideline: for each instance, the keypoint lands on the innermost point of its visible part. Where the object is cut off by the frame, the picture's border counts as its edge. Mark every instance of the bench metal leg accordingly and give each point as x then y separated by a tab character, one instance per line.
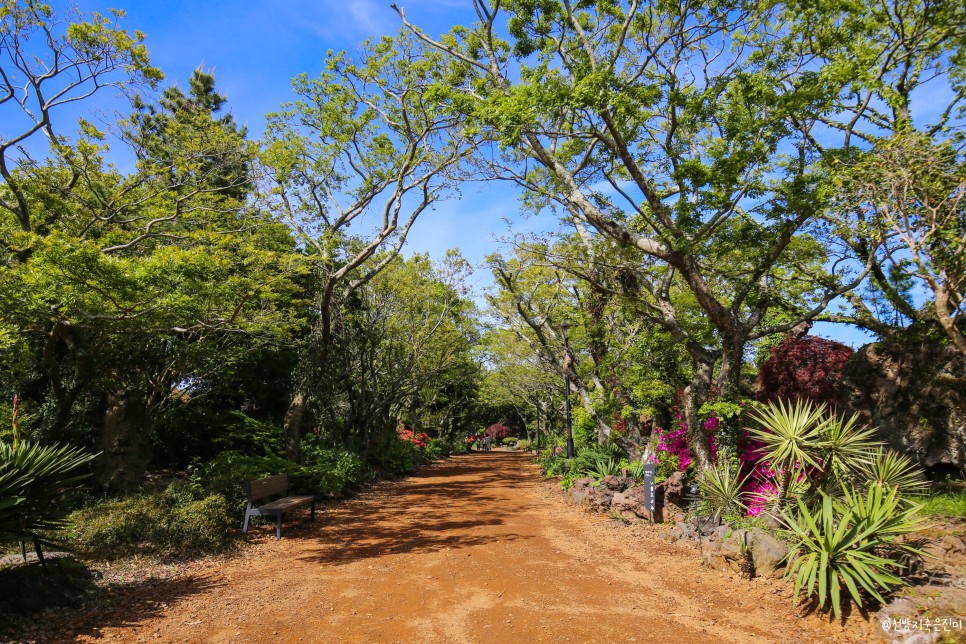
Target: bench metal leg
247	517
278	525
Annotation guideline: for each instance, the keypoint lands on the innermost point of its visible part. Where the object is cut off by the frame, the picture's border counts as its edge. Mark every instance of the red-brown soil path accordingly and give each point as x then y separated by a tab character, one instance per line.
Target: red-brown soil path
478	548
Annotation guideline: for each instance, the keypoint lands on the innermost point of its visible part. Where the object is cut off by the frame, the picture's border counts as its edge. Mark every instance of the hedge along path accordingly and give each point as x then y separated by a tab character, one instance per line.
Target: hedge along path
477	548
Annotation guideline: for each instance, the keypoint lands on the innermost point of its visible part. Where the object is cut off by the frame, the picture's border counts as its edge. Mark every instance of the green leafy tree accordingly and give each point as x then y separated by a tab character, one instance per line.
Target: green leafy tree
517	384
909	194
359	146
692	152
406	336
122	289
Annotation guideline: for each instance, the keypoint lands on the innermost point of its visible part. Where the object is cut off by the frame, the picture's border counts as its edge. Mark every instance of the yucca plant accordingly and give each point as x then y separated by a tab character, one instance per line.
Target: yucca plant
888	469
720	492
841	544
844	446
792	440
32	479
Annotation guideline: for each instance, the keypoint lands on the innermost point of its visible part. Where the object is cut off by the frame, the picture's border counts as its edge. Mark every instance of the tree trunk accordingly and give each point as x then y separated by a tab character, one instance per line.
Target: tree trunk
292	426
695	395
125	443
944	310
729	373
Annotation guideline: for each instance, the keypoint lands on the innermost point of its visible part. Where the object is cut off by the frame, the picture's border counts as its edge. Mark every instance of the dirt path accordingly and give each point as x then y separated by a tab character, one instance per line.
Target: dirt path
473	549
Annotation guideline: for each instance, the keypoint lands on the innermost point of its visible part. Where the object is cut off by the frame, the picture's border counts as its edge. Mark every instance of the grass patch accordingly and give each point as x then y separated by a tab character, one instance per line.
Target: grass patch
950	503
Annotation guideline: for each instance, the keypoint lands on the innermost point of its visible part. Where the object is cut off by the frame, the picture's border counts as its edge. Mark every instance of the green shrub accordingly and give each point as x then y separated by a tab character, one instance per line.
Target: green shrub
596	462
332	470
228	472
567	481
850	543
667	465
397	456
436	449
558	466
325	471
458	445
115	528
522	444
203	525
553	463
176	521
588	461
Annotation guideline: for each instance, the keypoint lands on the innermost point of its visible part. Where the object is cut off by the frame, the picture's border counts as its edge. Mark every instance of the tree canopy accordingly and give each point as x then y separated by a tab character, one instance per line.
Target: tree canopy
721	174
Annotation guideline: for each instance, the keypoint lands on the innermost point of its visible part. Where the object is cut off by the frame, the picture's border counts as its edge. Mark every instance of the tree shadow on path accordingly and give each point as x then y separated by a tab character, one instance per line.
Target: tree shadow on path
454	504
123	604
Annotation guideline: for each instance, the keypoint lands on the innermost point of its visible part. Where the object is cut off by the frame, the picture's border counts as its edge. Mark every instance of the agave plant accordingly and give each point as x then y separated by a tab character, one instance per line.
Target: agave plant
32	478
841	543
720	491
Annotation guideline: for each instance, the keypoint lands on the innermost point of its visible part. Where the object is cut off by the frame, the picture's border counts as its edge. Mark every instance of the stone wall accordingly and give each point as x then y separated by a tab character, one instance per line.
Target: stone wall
915	395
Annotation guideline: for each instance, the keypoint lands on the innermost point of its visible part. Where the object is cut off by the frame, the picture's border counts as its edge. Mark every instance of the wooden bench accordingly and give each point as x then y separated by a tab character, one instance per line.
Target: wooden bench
269	487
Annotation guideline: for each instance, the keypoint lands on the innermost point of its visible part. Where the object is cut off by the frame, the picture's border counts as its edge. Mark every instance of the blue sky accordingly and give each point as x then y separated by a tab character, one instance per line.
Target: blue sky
255	49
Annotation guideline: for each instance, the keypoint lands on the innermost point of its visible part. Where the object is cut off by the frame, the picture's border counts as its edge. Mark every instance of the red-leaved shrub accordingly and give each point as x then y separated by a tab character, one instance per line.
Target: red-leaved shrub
496	430
806	367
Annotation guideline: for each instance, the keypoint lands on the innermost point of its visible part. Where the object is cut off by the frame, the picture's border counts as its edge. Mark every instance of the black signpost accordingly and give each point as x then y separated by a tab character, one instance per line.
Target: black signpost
649	489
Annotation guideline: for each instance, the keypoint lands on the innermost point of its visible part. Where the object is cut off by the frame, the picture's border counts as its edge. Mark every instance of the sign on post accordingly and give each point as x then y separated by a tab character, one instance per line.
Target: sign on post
649	488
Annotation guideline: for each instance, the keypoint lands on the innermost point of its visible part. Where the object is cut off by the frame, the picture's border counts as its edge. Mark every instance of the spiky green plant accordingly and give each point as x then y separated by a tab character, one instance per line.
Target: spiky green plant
792	440
604	467
32	479
840	544
844	447
720	491
637	470
889	469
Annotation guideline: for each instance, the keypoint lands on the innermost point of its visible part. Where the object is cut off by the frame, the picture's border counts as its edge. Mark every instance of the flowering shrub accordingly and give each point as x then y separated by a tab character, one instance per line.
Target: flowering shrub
744	452
420	439
673	443
496	430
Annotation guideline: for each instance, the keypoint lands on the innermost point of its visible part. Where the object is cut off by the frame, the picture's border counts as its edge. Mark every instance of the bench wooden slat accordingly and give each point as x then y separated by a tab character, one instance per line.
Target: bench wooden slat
267	487
287	502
